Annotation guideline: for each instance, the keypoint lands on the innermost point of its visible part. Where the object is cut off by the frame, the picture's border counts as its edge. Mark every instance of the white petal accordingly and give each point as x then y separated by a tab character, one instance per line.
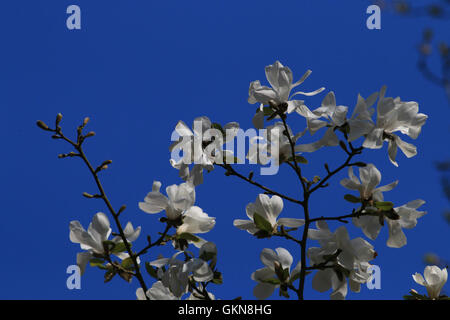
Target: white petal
196	221
247	225
408	149
268	257
374	139
291	222
154	202
370	226
100	224
82	260
397	238
263	290
418	278
140	294
160	292
284	257
322	280
203	273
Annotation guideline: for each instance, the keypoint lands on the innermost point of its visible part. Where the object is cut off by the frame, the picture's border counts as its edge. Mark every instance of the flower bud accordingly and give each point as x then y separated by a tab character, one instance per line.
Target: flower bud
90	134
58	118
42	125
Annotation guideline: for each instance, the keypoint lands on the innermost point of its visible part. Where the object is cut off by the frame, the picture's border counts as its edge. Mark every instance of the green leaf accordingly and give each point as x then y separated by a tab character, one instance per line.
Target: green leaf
188	236
262	223
126	276
299	159
285	274
351	198
271	281
127	263
109	275
151	270
98	263
108	245
119	247
217	278
415	296
267	111
384	205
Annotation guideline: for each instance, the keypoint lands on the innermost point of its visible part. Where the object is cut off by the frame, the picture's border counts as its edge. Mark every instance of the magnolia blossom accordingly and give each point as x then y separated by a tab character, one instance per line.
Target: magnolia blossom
360	123
407	216
281	80
351	260
334	117
274	145
269	209
180	198
370	178
395	115
275	263
175	277
195	220
434	280
202	146
93	239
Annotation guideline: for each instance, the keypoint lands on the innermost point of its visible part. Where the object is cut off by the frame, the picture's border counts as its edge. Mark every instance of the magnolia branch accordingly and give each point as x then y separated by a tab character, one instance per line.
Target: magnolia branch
94	172
231	171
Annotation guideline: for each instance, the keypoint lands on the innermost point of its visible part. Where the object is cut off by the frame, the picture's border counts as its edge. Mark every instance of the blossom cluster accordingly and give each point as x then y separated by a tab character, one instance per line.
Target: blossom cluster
338	262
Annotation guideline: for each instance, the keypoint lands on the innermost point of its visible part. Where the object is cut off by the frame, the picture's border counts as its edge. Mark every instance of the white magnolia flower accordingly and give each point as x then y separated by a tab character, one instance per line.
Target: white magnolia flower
407	219
176	275
408	216
395	115
334	117
361	123
195	220
267	277
370	178
268	209
281	80
435	278
92	240
275	145
180	198
201	146
351	261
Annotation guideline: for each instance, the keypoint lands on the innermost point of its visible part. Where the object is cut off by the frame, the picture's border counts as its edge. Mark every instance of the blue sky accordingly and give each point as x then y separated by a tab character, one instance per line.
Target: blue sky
136	68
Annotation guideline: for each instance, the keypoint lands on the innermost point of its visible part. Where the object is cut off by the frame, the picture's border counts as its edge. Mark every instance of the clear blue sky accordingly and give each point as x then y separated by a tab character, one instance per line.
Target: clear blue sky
136	68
